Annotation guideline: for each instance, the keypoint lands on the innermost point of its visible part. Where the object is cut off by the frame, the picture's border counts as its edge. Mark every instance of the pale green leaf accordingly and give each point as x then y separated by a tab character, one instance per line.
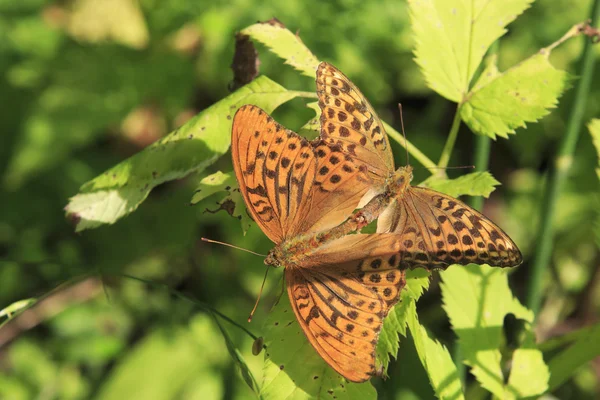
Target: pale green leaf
453	36
477	298
395	323
294	370
214	183
191	148
585	348
523	93
594	127
473	184
436	360
285	44
16	307
232	202
165	362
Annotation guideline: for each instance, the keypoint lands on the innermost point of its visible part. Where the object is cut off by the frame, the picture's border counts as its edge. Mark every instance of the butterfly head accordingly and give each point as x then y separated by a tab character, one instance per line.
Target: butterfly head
400	179
274	257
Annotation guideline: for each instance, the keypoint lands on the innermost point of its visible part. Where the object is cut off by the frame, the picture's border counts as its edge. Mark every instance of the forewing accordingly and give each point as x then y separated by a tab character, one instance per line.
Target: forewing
275	169
341	297
338	188
348	120
435	230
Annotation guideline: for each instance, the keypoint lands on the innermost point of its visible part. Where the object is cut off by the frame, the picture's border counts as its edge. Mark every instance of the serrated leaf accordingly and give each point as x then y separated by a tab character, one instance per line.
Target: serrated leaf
585	348
436	360
285	44
214	183
594	128
294	370
523	93
417	281
453	36
473	184
231	202
477	298
191	148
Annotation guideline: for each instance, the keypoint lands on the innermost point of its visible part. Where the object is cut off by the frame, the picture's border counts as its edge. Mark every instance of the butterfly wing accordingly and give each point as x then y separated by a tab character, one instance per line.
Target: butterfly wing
435	230
338	188
340	298
291	186
349	121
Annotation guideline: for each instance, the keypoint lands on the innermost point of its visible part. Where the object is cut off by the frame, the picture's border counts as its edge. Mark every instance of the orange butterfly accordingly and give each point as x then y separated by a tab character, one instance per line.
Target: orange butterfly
302	193
435	230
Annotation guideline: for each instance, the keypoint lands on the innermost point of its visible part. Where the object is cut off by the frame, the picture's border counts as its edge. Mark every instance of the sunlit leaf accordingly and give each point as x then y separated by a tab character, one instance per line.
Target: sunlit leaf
436	360
165	361
473	184
285	44
453	36
191	148
214	183
17	306
524	93
477	298
417	281
232	202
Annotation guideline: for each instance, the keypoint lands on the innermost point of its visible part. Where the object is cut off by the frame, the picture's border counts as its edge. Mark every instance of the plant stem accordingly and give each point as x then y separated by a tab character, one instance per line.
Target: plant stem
416	153
449	146
483	145
558	172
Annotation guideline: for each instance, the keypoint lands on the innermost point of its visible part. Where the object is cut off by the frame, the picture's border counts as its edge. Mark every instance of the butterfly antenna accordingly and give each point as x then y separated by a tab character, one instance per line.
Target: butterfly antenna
235	247
259	294
403	133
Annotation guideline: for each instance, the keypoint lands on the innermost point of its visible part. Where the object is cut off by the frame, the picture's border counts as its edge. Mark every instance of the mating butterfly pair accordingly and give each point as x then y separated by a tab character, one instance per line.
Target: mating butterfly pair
302	195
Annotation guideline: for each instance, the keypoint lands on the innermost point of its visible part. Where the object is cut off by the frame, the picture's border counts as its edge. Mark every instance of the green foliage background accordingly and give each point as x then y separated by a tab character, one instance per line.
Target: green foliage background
86	85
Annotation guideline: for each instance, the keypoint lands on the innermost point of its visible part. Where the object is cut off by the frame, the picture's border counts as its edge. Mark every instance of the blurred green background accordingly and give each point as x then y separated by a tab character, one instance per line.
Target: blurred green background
85	84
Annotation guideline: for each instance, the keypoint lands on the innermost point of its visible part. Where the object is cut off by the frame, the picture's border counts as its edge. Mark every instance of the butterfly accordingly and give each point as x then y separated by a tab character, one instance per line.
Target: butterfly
302	195
435	230
341	287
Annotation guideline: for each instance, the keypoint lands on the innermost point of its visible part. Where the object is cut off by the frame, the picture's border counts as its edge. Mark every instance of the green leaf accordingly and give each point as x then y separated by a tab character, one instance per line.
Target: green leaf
166	361
594	127
312	128
294	370
585	348
417	281
215	183
452	38
285	44
436	360
191	148
477	298
473	184
238	359
16	307
232	202
524	93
